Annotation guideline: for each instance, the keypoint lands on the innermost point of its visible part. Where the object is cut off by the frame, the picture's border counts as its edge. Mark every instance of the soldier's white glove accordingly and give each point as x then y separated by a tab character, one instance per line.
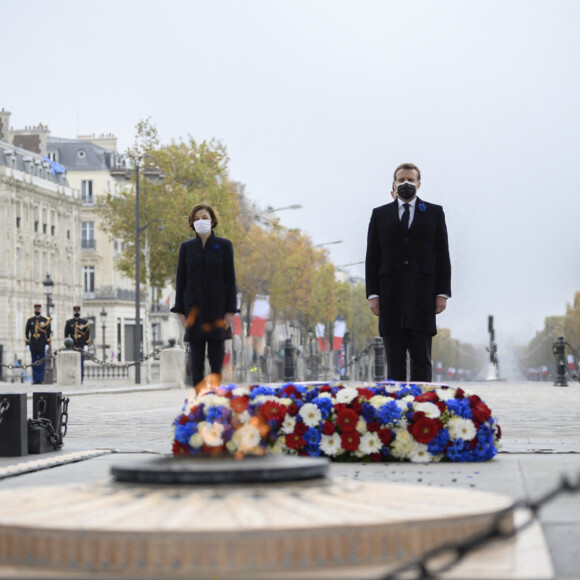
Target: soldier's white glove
45	347
85	348
28	347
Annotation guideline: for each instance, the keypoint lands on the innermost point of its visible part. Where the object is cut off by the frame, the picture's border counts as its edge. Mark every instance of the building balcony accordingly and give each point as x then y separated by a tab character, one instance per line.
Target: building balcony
110	293
90	244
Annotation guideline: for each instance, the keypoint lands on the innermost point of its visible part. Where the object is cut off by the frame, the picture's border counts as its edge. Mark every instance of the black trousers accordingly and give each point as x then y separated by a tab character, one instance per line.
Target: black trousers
215	354
419	346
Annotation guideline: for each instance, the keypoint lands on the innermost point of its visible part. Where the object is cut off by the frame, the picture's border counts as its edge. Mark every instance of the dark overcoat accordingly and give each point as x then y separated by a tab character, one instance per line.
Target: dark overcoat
408	269
205	286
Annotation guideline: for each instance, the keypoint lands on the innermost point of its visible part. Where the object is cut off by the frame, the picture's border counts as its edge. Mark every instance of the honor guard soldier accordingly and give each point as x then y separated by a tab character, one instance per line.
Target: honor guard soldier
78	329
37	338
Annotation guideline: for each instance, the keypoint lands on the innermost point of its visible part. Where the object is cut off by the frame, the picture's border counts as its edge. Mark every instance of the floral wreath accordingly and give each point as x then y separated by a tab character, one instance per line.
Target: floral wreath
386	422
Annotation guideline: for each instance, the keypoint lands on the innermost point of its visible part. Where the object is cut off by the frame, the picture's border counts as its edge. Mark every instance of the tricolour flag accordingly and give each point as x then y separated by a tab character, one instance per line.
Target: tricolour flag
320	336
260	315
571	362
237	324
339	330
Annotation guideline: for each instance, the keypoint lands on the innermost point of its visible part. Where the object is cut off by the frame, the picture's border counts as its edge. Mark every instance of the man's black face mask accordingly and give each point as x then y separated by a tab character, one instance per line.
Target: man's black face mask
406	191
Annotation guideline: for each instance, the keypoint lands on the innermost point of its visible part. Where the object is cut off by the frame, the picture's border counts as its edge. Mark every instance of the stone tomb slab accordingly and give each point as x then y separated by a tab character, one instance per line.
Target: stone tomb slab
285	529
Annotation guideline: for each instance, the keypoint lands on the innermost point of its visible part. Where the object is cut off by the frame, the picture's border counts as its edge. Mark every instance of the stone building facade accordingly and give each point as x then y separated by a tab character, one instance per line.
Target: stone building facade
41	219
50	192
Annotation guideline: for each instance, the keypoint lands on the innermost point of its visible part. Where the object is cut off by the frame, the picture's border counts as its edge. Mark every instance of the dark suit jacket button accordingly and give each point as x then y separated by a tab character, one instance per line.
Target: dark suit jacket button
406	262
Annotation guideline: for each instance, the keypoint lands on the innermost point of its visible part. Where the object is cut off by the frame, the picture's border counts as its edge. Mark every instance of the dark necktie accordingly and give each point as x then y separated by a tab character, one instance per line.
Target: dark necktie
406	215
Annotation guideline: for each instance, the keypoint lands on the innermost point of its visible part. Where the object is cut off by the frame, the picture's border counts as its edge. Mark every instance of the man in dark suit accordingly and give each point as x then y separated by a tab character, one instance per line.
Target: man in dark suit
408	275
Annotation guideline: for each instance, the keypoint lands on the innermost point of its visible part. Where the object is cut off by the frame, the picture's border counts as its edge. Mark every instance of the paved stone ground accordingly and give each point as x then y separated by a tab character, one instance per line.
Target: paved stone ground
541	442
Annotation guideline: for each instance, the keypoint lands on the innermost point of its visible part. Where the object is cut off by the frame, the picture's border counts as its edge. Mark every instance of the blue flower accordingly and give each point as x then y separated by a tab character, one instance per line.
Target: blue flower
389	413
312	437
218	415
184	432
368	412
325	406
437	445
460	407
422	207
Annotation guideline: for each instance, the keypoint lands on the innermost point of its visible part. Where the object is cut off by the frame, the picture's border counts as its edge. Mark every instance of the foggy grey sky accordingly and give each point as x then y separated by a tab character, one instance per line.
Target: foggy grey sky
318	101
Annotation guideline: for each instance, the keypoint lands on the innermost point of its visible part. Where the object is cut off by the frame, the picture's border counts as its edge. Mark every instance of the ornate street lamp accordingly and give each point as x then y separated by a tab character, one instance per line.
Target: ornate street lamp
103	323
48	286
153	175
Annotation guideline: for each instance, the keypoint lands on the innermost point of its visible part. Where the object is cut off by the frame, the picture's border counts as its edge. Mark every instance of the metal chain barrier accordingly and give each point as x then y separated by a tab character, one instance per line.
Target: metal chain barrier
363	353
4	406
440	560
120	365
41	361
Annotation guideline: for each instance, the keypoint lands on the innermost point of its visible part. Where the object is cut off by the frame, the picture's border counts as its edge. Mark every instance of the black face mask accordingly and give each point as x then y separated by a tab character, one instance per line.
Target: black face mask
77	314
406	191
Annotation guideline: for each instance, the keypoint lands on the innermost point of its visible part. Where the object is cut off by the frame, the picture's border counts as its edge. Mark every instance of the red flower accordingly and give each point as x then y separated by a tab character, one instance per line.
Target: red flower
441	406
180	448
325	389
373	426
356	406
424	430
375	456
347	420
183	419
385	435
498	431
460	394
300	428
340	407
293	410
240	404
481	412
289	390
272	411
428	397
366	393
350	440
295	441
328	428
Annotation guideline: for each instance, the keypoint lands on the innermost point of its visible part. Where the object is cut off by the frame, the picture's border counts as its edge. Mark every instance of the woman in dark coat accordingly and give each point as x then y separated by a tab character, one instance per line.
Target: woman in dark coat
205	291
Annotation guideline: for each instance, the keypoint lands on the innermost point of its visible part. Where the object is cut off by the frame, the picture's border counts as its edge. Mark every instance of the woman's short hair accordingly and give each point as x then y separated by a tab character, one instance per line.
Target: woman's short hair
208	208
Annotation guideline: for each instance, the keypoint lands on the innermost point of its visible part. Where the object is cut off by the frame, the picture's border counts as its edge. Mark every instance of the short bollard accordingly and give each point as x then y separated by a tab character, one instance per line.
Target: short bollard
379	366
13	425
49	417
289	361
558	349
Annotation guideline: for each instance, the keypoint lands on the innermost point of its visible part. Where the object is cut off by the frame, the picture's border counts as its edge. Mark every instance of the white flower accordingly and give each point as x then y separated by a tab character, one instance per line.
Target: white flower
361	426
379	400
276	448
420	454
240	391
460	428
393	388
310	414
402	403
261	399
403	445
246	438
370	443
331	444
445	394
211	433
430	409
213	400
346	395
196	441
324	395
288	425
